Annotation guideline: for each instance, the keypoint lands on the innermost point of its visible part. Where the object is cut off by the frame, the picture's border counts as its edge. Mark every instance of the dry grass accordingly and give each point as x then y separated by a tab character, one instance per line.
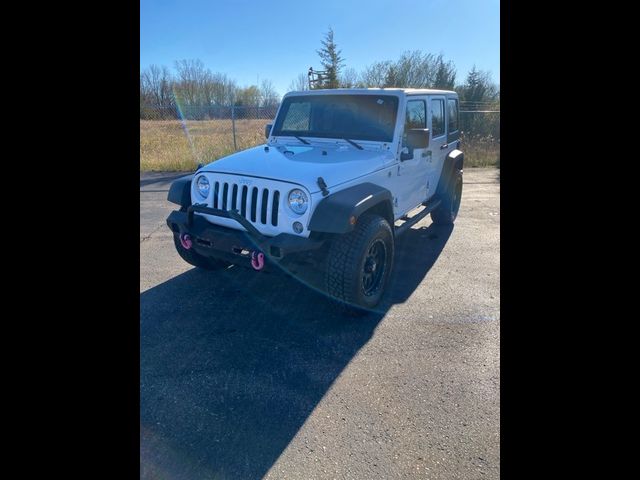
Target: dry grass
481	152
168	145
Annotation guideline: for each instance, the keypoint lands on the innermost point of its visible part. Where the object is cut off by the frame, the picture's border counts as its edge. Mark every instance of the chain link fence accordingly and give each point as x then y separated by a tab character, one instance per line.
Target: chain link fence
179	138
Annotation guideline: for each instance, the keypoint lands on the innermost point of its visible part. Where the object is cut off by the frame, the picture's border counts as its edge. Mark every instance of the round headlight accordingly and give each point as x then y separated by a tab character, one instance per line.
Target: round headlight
298	201
202	186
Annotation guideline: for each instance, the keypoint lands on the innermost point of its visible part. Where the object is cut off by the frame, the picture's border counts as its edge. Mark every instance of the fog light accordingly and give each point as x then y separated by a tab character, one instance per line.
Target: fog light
297	227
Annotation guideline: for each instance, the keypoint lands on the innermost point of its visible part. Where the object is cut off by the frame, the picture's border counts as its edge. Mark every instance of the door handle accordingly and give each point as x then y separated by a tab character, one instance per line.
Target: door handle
446	145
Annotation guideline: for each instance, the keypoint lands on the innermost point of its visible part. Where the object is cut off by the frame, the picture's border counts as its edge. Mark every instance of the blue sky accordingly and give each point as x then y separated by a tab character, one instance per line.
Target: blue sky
250	40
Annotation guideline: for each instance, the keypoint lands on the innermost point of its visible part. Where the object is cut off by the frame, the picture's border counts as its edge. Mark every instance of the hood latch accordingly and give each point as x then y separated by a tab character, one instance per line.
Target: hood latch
323	186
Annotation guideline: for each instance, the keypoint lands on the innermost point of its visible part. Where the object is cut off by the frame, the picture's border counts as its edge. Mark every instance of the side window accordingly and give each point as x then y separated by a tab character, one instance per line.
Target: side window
416	114
437	117
416	117
453	115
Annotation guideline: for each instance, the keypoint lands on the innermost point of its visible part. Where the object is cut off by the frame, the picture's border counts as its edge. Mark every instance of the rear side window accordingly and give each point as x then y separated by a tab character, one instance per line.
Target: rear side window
453	115
437	117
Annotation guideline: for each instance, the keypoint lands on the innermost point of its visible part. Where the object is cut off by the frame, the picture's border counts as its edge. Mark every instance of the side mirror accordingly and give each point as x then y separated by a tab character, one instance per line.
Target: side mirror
418	138
415	138
267	130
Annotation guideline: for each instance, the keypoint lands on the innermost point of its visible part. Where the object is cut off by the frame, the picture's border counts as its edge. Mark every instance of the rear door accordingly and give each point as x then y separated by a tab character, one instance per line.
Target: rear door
438	145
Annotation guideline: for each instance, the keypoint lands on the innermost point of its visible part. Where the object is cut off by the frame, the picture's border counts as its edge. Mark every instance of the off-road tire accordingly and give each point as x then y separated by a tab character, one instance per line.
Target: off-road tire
346	260
447	211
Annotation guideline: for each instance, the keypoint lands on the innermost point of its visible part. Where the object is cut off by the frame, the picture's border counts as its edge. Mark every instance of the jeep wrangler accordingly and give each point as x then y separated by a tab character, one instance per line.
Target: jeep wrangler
336	181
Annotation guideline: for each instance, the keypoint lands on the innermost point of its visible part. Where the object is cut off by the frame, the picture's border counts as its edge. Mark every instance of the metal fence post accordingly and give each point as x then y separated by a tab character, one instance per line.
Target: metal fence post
233	125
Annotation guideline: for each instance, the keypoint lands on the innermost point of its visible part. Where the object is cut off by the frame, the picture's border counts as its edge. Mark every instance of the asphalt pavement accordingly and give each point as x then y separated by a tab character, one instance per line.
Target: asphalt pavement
247	375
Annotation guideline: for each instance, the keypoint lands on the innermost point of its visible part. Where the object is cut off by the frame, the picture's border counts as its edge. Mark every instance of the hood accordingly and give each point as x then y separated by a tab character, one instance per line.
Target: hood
303	164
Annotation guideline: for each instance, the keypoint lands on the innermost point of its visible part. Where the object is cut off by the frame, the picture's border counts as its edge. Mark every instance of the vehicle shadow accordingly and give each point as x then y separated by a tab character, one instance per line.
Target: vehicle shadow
232	363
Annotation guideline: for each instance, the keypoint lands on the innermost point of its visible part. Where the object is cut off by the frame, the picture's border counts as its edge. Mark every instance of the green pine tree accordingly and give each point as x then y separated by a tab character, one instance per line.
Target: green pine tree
331	60
445	74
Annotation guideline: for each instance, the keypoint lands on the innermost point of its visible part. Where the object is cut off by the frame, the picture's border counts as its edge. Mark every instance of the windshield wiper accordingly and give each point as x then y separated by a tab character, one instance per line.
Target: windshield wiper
302	140
359	147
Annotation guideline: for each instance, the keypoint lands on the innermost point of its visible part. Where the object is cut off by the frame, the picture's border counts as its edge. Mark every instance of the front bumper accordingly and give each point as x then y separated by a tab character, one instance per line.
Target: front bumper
232	245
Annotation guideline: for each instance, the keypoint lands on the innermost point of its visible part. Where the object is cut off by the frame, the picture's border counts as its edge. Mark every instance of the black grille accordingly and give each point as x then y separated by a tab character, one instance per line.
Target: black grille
258	205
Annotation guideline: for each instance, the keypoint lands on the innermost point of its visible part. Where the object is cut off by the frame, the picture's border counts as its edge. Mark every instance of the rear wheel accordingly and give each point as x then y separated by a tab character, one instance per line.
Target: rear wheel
447	211
359	263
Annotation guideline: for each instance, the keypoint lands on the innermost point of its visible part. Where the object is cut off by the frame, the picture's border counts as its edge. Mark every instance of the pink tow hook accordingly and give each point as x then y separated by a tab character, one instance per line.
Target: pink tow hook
185	241
257	260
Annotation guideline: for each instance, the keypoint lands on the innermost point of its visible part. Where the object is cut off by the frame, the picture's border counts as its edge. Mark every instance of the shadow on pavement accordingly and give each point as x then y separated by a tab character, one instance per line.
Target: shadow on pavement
163	179
232	363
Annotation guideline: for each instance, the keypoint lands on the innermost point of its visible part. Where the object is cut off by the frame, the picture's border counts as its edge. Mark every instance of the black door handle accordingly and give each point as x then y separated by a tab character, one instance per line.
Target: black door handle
446	145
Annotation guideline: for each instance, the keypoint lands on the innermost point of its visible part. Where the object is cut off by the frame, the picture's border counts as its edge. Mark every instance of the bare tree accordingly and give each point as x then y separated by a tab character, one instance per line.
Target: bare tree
299	84
192	76
375	75
198	86
348	78
222	89
155	86
268	95
248	96
414	69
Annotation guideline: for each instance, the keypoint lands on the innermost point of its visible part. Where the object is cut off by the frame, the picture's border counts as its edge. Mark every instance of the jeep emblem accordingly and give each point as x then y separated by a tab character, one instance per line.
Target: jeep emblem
245	181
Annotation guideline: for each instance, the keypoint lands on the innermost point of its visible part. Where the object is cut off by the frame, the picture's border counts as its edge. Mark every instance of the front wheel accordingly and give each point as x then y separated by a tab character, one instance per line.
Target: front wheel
447	211
359	263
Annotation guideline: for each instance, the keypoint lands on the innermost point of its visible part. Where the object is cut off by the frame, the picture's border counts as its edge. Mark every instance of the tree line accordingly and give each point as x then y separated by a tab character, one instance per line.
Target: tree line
194	85
413	69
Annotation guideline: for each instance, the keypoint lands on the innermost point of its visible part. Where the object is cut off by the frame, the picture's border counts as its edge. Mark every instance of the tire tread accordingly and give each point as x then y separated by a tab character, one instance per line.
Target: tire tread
344	257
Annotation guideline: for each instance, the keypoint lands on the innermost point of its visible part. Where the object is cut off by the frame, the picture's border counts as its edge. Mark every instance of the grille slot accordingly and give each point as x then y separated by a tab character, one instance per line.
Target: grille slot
274	208
234	197
264	206
243	211
225	193
254	203
215	194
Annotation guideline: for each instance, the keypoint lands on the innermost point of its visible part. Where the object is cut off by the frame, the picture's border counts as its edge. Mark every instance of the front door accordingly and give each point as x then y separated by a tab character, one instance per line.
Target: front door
411	182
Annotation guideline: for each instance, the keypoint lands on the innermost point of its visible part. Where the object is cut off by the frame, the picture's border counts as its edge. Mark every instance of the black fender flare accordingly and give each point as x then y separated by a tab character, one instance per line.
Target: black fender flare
452	163
334	213
180	191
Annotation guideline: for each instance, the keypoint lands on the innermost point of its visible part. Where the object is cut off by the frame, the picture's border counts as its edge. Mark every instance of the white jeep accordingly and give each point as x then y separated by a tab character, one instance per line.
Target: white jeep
335	182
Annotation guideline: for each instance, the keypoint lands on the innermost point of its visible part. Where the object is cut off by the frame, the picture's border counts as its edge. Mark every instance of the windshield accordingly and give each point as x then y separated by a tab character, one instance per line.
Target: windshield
357	117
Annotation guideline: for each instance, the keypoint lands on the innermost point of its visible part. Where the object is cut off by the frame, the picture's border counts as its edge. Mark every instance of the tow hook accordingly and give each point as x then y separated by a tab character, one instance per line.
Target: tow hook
257	260
185	241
